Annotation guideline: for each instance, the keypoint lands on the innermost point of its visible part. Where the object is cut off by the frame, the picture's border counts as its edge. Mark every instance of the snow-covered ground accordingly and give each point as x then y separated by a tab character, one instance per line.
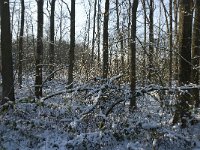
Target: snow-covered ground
93	115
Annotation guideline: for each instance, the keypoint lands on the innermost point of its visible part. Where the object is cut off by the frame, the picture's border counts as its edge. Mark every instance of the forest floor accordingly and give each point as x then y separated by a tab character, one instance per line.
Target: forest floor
93	115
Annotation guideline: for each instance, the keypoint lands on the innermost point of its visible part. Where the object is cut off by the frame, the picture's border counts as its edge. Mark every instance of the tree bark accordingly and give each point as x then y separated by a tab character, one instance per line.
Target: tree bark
196	53
93	32
145	42
51	45
185	34
176	9
98	32
170	43
133	56
120	37
72	45
151	41
6	53
21	44
105	40
39	51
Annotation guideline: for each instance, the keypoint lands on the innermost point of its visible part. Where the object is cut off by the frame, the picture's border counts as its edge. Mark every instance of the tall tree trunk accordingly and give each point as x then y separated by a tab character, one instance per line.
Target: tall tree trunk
151	41
93	32
176	8
145	42
170	43
61	34
13	12
72	44
51	45
133	56
120	36
185	34
105	40
88	31
39	51
21	44
129	34
196	52
6	53
98	31
87	70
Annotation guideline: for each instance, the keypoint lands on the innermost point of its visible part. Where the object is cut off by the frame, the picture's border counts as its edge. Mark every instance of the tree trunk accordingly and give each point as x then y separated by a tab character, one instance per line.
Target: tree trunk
93	32
133	55
6	53
145	42
72	45
185	32
98	32
176	8
151	41
39	51
88	31
21	44
51	45
196	52
105	40
61	34
170	43
120	37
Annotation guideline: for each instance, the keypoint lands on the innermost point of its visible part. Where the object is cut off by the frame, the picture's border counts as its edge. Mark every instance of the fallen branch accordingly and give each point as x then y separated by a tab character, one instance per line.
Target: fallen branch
139	91
151	88
54	94
112	106
47	78
93	106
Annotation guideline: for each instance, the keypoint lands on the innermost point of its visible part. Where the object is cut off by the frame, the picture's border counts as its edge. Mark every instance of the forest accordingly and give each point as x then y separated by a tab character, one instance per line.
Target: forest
99	74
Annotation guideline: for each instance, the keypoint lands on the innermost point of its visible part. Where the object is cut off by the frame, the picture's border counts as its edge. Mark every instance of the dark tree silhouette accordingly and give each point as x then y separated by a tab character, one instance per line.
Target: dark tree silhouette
21	44
51	44
105	40
39	52
151	40
6	53
196	52
185	34
170	42
133	55
72	44
93	32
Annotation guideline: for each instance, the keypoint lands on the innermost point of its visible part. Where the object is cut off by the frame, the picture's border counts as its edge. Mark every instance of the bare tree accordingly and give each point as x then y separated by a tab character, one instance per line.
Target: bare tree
175	45
133	55
39	51
51	44
170	43
6	53
105	40
145	41
88	21
72	44
196	52
93	32
98	31
151	40
21	44
185	34
120	36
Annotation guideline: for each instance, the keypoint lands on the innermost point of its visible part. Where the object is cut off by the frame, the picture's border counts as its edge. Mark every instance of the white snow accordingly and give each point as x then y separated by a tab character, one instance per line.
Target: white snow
78	120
